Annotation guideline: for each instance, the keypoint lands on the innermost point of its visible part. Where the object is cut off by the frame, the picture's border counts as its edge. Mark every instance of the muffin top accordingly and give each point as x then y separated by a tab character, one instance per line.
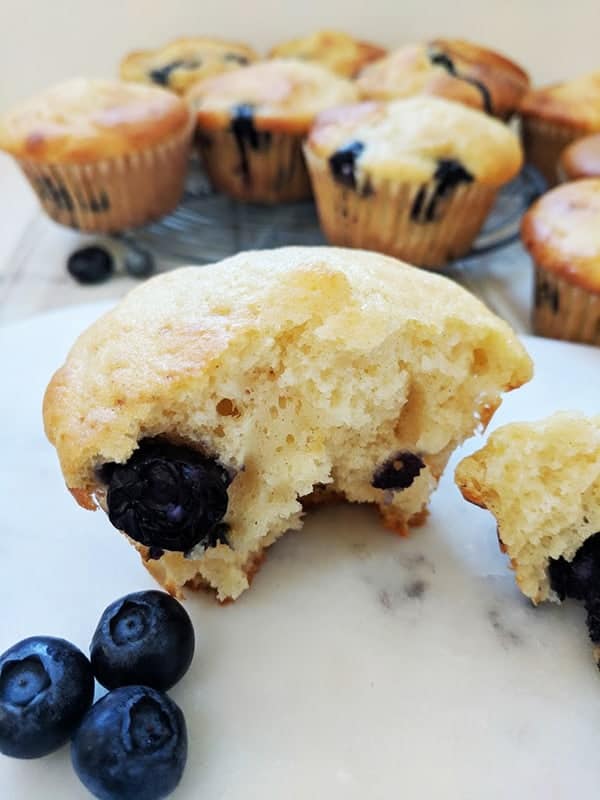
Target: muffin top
575	102
582	158
412	140
561	230
282	94
451	68
86	120
181	63
335	50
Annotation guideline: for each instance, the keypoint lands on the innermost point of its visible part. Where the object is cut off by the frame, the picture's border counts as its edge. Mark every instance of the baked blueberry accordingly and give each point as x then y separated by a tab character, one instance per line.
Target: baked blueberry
343	163
398	472
162	75
145	638
442	59
579	578
168	496
449	173
131	745
247	136
92	264
46	686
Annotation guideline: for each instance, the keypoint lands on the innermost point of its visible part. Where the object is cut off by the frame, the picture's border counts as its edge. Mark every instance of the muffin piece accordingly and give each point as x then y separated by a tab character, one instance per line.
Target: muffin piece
450	68
252	122
414	178
581	159
211	403
561	230
541	481
339	52
554	116
101	155
183	62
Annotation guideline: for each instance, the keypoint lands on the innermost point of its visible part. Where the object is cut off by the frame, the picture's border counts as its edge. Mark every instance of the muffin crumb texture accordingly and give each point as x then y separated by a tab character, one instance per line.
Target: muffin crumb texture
541	481
297	371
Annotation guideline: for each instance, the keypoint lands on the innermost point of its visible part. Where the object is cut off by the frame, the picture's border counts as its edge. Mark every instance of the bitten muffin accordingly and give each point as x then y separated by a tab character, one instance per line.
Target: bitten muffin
180	64
562	233
581	159
541	481
210	404
450	68
101	155
414	178
251	124
339	52
554	116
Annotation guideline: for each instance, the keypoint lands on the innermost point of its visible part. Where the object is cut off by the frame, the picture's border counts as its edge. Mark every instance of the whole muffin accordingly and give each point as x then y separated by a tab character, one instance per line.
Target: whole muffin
541	481
101	155
554	116
339	52
450	68
414	178
562	233
581	159
211	404
183	62
251	124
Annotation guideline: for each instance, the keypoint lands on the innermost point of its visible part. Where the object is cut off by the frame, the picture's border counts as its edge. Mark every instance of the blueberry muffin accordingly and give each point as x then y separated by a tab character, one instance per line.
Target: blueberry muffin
450	68
251	124
554	116
551	530
561	231
581	159
211	404
413	178
339	52
101	155
180	64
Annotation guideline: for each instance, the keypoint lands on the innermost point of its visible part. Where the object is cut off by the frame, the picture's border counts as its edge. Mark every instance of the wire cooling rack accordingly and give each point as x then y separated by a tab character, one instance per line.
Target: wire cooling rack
208	226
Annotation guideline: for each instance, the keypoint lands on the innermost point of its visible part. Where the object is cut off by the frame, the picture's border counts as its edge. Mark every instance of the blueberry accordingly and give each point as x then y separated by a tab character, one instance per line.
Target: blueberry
131	745
398	472
145	637
342	163
91	264
580	577
46	686
162	75
168	497
139	263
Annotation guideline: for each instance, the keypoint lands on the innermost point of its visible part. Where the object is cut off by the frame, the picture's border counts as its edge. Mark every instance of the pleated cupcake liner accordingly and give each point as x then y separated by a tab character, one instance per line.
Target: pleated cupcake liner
544	142
562	310
270	169
396	218
113	194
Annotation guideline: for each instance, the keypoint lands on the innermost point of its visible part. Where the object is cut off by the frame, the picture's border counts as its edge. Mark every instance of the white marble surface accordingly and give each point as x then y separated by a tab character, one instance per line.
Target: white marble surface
359	665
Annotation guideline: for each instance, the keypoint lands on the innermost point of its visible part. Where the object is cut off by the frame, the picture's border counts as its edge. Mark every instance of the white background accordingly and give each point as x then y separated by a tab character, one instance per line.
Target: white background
42	41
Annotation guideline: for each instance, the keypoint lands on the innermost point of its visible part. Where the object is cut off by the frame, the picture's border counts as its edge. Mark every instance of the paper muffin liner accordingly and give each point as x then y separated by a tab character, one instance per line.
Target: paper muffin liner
268	168
543	143
393	219
116	193
563	310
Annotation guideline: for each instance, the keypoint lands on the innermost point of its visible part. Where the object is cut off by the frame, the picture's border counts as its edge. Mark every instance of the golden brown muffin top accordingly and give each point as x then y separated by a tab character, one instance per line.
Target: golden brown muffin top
575	102
450	68
282	94
562	232
86	120
183	62
409	139
582	158
339	52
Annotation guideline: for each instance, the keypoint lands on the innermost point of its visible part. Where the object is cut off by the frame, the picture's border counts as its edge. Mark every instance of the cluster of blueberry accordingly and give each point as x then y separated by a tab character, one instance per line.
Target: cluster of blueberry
95	264
132	743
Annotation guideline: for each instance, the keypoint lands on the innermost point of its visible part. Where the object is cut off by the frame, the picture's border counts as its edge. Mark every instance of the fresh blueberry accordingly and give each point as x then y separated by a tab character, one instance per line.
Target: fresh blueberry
91	264
46	686
167	496
146	638
131	745
139	263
